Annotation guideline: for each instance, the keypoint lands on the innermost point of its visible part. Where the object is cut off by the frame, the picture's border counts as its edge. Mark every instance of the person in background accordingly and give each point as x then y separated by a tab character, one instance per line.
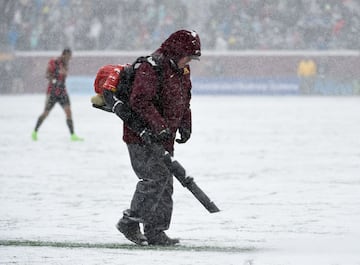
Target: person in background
56	74
164	107
307	71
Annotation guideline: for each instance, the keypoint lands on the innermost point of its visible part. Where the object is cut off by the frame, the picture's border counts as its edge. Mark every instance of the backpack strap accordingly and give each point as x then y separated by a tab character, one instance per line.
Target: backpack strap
127	77
156	64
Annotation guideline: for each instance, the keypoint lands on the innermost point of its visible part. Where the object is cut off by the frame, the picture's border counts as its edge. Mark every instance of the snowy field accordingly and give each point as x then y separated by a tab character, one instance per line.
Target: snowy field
285	171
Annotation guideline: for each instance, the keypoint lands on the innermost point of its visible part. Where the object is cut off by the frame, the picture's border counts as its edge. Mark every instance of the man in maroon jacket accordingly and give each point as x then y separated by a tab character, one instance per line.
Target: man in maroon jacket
165	109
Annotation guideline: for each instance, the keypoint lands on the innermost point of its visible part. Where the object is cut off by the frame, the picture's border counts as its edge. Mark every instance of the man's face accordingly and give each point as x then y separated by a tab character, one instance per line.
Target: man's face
67	57
184	61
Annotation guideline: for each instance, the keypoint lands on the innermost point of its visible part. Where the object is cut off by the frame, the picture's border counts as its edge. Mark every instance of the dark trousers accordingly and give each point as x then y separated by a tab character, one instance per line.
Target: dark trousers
152	200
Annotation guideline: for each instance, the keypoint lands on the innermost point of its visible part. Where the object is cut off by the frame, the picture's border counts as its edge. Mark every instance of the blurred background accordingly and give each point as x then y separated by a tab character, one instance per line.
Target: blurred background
249	46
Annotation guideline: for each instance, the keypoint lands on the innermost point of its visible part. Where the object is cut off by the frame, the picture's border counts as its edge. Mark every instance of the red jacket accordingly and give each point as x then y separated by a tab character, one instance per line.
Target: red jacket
173	110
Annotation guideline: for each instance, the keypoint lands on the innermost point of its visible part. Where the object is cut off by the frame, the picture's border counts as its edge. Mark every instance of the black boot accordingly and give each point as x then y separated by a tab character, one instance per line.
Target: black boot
131	229
159	238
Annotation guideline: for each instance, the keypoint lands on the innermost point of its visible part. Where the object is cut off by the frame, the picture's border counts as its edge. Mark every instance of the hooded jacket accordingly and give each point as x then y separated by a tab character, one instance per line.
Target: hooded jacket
169	106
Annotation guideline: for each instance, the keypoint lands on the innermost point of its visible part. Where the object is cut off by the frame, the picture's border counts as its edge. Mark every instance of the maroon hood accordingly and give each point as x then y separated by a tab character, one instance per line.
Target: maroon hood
180	44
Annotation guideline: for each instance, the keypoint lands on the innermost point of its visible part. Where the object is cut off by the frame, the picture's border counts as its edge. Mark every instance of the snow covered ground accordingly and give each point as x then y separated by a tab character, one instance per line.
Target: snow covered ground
285	172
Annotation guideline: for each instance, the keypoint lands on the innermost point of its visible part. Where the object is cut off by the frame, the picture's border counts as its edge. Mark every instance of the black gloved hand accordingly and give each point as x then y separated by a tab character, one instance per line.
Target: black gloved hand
111	100
147	136
184	136
164	135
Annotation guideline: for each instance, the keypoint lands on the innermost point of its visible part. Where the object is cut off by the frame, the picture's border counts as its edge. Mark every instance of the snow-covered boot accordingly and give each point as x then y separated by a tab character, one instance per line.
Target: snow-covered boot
131	229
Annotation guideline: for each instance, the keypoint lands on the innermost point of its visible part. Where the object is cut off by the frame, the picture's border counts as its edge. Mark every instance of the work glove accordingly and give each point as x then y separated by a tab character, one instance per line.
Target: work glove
147	136
184	135
164	135
112	101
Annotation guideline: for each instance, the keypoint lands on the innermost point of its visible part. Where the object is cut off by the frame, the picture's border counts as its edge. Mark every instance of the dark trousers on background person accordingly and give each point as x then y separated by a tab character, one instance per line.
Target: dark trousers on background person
152	201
